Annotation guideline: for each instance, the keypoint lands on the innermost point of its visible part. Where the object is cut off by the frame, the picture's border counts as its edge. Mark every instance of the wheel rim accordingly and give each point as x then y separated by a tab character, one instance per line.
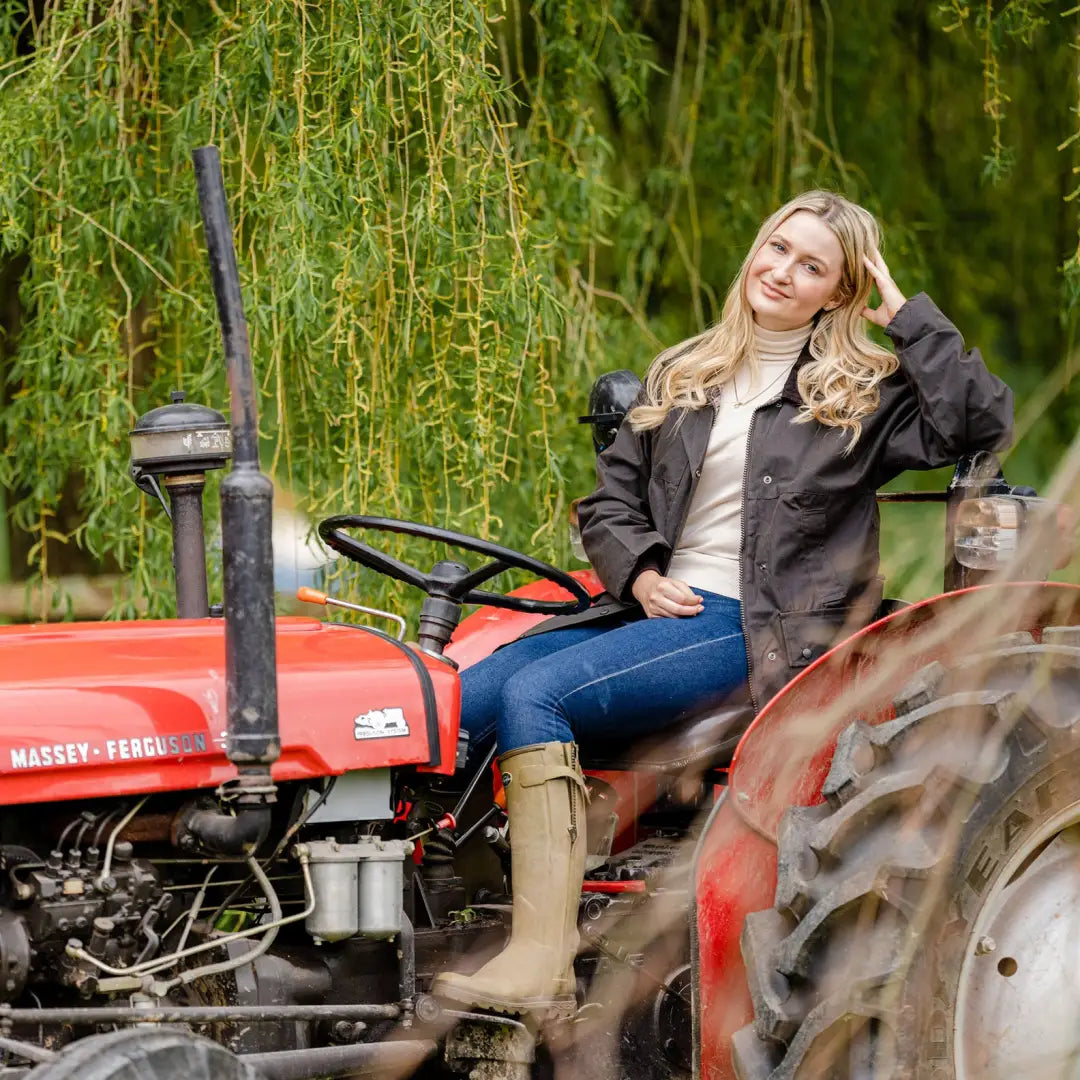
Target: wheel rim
1018	1004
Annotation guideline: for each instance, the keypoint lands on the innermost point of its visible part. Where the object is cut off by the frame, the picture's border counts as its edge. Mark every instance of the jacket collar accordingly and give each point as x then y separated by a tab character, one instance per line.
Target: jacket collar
695	426
791	386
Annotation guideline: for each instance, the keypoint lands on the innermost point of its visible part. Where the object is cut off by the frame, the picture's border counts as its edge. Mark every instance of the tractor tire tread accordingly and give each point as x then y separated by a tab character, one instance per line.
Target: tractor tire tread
833	857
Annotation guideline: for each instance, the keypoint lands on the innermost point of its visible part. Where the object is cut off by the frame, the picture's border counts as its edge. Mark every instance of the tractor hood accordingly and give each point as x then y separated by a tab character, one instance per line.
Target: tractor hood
103	708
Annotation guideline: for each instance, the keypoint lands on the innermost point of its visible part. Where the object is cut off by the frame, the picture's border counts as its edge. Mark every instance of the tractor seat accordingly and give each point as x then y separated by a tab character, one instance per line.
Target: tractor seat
705	740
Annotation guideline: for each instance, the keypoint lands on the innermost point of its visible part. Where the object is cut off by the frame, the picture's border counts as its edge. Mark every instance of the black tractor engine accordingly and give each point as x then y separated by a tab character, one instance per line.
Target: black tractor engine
76	902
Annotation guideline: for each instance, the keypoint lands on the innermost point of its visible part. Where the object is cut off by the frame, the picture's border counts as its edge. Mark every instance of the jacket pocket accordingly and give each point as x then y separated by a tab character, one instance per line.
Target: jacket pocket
799	543
670	474
809	634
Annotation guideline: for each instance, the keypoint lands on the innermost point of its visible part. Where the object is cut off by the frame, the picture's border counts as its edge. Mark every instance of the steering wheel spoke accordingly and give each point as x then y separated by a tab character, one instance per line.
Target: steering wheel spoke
481	574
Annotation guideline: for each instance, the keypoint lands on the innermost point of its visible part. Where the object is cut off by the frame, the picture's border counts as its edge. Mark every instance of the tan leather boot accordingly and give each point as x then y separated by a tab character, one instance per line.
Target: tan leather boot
545	802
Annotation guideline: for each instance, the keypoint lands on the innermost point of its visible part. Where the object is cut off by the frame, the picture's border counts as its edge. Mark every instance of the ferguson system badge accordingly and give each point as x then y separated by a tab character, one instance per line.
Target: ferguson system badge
380	724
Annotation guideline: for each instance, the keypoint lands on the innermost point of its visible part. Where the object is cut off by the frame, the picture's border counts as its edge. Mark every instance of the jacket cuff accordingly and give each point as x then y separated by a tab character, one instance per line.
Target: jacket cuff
648	561
916	318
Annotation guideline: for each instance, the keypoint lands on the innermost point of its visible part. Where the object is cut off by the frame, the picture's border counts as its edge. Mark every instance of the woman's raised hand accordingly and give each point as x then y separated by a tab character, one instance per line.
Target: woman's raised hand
892	299
664	597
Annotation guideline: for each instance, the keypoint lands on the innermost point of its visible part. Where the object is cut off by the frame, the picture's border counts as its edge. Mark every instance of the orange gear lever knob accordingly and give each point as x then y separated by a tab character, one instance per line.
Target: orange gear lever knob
310	596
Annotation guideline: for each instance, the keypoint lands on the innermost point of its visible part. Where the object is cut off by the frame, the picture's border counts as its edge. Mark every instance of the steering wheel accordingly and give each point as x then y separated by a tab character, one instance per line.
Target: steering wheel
448	580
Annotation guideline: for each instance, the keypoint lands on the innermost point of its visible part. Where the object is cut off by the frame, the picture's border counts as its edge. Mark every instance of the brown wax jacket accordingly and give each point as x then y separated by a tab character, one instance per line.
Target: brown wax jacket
810	517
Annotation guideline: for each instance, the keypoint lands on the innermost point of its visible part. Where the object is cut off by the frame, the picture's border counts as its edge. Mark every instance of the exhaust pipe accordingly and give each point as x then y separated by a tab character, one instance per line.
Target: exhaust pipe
246	507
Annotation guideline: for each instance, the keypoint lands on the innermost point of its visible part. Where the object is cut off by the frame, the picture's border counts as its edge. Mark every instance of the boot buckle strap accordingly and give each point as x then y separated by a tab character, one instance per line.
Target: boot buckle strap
534	775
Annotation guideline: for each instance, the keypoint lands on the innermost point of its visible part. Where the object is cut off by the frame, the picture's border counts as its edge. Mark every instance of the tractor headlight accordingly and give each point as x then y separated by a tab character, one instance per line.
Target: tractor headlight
989	533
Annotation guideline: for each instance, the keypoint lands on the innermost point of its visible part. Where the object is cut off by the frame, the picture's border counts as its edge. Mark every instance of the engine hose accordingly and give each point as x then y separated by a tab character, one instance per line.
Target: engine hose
228	834
14	855
193	911
107	866
82	831
67	830
275	924
270	929
104	824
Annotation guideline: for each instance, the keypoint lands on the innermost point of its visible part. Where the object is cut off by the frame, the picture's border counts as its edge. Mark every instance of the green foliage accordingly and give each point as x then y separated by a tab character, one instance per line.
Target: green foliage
451	215
404	263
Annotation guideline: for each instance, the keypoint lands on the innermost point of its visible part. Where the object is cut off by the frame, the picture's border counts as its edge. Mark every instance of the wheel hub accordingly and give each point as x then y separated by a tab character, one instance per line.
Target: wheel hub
1018	1012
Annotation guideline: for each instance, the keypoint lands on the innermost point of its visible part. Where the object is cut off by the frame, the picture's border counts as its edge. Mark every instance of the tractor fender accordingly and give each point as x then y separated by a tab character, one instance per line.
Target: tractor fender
785	756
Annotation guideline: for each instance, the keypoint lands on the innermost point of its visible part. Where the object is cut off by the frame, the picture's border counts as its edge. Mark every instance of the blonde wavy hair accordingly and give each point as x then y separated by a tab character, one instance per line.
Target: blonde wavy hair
839	386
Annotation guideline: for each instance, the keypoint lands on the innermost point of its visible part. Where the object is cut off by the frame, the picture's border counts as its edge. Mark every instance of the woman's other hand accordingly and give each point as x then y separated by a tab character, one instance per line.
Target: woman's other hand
664	597
892	299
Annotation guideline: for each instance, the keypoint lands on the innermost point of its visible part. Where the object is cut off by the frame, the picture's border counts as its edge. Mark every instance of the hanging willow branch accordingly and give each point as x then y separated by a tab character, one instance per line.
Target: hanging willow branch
407	281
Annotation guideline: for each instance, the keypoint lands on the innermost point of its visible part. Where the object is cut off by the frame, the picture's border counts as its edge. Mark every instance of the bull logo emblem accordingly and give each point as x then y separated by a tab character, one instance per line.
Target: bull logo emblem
380	724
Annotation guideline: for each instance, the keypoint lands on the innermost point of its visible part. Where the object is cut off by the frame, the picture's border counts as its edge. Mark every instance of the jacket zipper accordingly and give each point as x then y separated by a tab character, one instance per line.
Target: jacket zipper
742	551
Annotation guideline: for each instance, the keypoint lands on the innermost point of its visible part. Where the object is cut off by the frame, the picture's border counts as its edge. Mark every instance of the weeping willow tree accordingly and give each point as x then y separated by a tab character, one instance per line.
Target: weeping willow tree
451	214
406	279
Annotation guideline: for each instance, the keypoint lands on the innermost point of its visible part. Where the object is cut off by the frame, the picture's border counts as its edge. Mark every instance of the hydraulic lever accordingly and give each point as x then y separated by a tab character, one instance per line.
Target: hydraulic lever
313	596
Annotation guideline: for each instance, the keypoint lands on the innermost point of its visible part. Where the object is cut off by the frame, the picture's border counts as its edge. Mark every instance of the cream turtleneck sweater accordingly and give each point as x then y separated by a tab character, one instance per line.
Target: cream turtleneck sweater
707	556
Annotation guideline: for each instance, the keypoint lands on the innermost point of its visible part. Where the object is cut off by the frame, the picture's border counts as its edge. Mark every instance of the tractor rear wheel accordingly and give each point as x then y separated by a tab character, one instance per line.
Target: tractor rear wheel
134	1054
927	918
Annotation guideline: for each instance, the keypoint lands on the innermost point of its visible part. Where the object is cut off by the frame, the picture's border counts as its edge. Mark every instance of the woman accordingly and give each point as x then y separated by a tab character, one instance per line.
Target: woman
735	527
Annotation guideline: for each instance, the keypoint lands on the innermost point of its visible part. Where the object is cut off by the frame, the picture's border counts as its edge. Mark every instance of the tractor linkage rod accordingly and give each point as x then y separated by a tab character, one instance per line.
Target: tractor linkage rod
399	1058
196	1014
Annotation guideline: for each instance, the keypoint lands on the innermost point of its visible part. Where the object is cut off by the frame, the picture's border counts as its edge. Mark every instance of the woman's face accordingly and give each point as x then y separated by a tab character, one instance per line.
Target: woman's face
795	273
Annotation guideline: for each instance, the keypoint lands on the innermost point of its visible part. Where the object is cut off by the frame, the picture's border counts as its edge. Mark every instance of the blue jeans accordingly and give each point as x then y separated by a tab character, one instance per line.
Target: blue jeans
609	681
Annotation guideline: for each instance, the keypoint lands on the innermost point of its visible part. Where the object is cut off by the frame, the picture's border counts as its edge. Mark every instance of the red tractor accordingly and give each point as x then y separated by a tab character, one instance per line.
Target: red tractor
234	846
